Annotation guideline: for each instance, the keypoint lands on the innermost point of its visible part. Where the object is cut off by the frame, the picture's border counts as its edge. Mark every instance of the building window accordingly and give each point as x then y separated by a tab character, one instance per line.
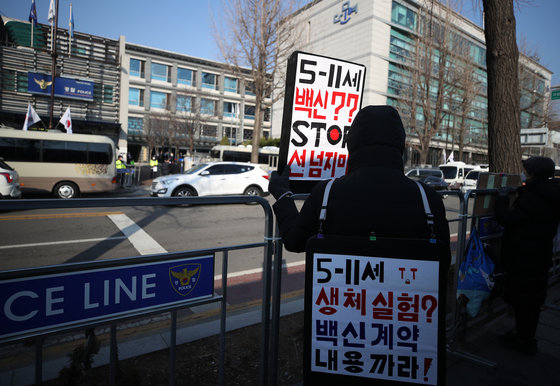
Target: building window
14	80
135	126
136	97
158	100
209	131
209	80
107	94
137	68
184	103
267	115
230	84
247	134
250	88
231	110
160	72
403	16
249	112
207	106
185	76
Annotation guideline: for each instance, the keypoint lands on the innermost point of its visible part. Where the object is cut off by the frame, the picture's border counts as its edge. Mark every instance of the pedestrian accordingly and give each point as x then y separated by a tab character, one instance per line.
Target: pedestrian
121	168
374	197
530	225
154	166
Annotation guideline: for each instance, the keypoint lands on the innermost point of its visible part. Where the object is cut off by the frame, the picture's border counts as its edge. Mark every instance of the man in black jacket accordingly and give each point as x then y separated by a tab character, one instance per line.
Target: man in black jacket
529	228
374	197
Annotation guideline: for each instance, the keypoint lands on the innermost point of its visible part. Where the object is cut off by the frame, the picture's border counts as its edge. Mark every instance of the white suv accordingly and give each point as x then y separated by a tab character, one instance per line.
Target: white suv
212	179
9	181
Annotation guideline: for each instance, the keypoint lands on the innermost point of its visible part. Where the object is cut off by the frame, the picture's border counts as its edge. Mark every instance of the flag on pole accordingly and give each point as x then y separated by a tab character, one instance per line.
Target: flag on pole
31	117
51	13
71	22
32	19
33	13
71	30
450	159
66	120
444	156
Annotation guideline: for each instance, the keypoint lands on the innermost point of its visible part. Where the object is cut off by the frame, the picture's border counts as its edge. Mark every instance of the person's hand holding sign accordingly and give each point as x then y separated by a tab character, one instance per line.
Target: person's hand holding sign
279	184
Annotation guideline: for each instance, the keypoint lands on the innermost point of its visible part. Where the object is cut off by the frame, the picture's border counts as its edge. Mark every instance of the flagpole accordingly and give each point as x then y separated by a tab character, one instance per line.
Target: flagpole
31	34
70	33
53	68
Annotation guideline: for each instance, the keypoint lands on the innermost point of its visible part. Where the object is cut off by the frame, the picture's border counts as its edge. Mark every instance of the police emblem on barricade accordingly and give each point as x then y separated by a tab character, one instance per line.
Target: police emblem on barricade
184	278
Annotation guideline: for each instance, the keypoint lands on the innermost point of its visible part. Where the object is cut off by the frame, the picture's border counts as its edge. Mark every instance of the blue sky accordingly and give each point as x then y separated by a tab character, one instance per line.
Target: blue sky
184	25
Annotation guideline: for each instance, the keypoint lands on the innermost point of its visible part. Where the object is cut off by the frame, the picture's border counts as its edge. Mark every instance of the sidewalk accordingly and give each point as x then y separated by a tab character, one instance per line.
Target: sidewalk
511	368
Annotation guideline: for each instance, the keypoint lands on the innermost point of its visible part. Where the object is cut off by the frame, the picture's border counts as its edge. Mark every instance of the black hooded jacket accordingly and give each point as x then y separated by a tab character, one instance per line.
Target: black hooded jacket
373	197
529	227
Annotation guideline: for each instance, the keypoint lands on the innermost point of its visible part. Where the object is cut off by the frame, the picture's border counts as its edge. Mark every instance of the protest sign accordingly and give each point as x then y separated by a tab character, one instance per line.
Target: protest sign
322	97
375	311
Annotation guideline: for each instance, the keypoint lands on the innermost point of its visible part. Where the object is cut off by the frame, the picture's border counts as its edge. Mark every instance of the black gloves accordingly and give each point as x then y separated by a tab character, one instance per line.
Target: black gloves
279	184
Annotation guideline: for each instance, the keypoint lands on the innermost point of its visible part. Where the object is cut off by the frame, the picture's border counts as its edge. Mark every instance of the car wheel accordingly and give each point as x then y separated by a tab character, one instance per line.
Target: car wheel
253	191
66	190
184	191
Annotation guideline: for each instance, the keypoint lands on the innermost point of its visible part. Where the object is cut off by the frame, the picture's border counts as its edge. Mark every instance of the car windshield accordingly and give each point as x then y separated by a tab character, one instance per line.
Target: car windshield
195	169
473	175
449	171
4	165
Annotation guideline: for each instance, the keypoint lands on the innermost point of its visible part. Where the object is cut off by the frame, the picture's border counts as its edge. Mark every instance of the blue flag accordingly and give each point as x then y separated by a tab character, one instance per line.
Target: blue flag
33	13
71	22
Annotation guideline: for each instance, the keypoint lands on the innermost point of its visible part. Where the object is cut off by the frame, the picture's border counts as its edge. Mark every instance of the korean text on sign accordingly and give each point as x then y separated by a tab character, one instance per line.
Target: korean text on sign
375	317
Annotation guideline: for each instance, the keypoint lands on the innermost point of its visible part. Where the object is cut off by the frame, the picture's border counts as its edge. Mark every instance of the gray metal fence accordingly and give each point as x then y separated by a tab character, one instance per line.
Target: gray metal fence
271	299
267	245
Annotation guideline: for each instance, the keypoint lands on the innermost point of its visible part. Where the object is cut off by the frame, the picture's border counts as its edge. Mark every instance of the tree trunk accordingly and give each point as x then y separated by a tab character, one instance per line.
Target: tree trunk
502	55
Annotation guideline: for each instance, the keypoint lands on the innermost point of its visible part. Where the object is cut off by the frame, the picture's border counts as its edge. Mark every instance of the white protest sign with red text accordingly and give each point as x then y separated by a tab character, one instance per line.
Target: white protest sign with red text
375	317
322	97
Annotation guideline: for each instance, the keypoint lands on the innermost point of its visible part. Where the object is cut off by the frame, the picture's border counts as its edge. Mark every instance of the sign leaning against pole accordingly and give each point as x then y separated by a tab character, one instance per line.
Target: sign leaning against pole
322	97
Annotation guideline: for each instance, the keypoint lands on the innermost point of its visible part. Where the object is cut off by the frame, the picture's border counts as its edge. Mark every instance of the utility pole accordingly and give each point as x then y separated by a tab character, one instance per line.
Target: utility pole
53	68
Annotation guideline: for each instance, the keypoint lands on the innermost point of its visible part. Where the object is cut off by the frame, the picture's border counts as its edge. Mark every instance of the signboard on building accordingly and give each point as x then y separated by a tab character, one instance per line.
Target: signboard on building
38	83
322	97
36	303
555	94
374	315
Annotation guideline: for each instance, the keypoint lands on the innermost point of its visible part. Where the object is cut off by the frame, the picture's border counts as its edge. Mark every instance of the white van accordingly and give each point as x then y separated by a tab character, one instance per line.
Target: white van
454	173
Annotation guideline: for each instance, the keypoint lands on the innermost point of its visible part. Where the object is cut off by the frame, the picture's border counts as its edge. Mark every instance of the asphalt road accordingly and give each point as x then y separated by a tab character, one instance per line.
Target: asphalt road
36	238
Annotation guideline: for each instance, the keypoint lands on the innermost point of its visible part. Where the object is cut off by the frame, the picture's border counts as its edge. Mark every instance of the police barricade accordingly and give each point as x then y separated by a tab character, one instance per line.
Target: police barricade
74	284
128	177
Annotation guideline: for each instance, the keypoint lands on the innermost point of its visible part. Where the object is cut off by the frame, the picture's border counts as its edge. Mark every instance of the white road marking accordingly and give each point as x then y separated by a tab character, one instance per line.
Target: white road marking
143	242
61	242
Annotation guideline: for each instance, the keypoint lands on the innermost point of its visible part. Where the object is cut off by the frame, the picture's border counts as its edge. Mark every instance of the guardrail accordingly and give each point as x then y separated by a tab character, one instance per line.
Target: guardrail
39	334
271	299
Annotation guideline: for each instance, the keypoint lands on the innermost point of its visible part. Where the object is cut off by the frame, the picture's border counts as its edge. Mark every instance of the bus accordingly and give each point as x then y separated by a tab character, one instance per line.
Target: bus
268	155
63	164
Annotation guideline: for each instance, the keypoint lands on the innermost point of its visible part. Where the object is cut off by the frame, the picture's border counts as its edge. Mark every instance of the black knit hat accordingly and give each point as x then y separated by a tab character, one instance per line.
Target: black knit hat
539	167
376	126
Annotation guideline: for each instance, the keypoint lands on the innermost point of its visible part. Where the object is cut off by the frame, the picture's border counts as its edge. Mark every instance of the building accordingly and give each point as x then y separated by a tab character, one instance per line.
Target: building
175	102
387	37
87	79
146	99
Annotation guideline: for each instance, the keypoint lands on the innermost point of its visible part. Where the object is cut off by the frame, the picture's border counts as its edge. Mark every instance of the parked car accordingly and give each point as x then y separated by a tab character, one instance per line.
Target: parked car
436	183
455	172
471	180
424	172
9	181
212	179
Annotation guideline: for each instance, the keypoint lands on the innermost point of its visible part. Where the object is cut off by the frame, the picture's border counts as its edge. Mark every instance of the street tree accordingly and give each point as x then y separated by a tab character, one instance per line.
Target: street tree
430	86
502	56
256	35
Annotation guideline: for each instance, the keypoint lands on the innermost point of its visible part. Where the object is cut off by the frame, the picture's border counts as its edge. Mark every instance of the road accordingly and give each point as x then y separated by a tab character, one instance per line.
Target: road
55	236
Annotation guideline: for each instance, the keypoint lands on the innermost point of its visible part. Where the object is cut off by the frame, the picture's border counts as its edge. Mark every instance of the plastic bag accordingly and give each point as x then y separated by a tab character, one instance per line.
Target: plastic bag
476	275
